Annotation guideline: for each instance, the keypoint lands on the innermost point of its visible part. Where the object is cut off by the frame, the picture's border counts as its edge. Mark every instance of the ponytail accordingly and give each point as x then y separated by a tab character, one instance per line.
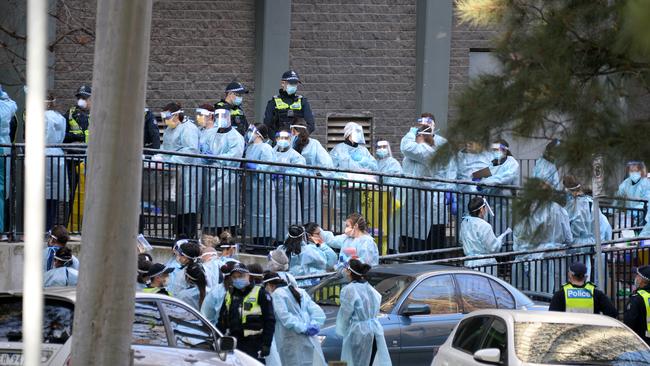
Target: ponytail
295	293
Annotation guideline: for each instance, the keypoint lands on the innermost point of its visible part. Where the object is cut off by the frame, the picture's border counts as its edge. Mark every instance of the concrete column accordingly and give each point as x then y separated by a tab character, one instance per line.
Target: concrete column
106	290
272	35
433	42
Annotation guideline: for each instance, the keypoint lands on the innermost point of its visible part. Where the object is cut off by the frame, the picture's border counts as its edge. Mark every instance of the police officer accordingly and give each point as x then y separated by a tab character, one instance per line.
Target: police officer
636	314
283	107
247	312
581	296
78	117
234	97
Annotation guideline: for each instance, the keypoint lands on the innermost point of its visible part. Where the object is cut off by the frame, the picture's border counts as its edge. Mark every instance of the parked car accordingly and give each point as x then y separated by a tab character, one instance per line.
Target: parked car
517	338
421	305
166	331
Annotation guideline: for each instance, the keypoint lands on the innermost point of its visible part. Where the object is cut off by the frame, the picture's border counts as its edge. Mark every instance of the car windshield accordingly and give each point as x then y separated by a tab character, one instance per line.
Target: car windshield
390	286
578	344
57	320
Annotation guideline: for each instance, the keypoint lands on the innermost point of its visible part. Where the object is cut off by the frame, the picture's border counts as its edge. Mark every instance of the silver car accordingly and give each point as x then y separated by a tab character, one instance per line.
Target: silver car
166	331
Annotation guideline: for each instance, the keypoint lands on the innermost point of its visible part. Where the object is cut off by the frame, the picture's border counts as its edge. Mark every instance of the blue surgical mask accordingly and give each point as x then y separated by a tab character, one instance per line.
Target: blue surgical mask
240	283
283	144
238	100
496	155
292	89
382	153
222	123
293	140
635	176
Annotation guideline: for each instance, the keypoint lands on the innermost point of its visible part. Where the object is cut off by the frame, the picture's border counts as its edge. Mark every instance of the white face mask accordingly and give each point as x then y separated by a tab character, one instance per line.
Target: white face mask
82	103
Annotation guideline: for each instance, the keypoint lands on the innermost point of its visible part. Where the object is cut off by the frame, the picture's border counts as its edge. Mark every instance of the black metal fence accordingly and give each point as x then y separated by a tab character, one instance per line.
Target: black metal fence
197	194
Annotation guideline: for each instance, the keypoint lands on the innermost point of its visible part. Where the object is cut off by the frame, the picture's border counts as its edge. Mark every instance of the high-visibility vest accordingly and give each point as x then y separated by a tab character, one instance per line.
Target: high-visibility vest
233	112
250	310
75	129
156	290
579	299
645	295
281	105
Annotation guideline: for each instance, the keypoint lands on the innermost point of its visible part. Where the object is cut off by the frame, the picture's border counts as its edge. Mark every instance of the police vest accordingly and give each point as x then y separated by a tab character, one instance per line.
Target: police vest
233	112
579	299
156	290
251	312
75	129
645	295
281	105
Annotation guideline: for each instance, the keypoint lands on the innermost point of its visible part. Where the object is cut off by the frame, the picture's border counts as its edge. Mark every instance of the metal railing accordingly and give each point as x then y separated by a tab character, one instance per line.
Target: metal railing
195	194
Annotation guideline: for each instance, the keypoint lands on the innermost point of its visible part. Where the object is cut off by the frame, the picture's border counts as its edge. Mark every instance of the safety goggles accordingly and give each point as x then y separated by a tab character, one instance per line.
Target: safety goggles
203	112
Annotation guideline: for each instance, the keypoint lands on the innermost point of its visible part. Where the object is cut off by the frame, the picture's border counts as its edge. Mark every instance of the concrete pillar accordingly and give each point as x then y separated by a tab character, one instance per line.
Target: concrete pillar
106	289
433	42
272	35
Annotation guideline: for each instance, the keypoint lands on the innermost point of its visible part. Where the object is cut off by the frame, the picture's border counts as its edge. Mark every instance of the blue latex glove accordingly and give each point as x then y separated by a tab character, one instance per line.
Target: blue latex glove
312	330
356	156
251	166
414	130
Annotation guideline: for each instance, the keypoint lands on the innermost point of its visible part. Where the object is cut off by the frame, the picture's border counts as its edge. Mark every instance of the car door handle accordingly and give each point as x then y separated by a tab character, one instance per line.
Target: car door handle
138	355
190	359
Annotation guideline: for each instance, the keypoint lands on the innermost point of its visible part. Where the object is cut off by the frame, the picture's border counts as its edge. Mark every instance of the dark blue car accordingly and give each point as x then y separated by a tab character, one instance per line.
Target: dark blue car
421	304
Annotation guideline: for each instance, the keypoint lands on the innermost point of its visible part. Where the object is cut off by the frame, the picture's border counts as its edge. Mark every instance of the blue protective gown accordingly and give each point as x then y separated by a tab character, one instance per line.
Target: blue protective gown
364	245
184	139
508	174
423	205
312	195
357	323
630	190
260	194
212	271
55	186
390	165
222	192
213	302
60	277
477	238
176	282
310	261
8	109
547	171
291	320
287	193
345	201
48	259
467	164
190	295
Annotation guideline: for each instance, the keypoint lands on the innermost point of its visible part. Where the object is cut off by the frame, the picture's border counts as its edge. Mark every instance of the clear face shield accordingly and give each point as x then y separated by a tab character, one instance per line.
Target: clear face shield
383	150
222	118
202	116
283	140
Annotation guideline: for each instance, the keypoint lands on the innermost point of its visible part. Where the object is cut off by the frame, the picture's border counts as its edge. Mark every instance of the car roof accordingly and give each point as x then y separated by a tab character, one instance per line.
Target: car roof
413	269
550	317
70	293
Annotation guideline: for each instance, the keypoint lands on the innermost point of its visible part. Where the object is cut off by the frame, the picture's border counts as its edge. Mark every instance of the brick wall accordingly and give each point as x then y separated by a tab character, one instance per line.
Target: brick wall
197	48
355	57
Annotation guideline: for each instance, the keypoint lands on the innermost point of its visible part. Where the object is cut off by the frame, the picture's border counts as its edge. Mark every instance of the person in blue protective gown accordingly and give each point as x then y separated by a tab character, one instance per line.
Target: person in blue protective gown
185	253
546	227
298	320
318	237
356	240
8	109
545	168
636	186
504	170
473	157
222	183
260	189
304	259
387	164
315	155
477	237
363	336
55	187
351	155
62	275
182	135
144	264
197	286
287	193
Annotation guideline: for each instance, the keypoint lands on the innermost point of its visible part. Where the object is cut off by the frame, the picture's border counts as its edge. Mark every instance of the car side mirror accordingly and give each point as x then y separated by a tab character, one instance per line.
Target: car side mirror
488	355
416	309
226	344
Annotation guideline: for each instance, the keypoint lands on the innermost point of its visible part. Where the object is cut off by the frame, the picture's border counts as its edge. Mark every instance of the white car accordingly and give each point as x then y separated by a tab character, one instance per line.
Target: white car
166	331
514	338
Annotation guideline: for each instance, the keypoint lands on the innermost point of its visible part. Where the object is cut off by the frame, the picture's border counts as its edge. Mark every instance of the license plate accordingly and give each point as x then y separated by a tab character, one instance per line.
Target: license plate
11	359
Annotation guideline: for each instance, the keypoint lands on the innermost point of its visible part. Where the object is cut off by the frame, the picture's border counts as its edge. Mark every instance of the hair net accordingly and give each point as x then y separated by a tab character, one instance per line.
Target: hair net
355	132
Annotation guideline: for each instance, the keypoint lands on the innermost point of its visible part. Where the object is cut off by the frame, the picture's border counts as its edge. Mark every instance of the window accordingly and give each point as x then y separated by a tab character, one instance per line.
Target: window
497	337
57	320
337	121
437	292
189	330
470	333
148	327
504	297
475	292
